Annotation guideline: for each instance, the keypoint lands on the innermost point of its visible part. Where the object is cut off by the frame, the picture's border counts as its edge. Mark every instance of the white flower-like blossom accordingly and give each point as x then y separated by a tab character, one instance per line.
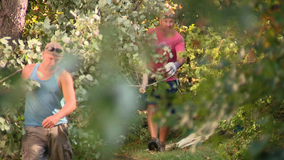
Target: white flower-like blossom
136	27
96	17
97	32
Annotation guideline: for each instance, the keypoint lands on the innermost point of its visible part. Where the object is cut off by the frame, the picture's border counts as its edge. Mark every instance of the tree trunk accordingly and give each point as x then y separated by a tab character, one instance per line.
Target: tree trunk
12	18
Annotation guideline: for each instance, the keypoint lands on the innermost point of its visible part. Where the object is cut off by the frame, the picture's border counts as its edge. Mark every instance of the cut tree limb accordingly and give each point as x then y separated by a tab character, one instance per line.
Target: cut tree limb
144	83
190	140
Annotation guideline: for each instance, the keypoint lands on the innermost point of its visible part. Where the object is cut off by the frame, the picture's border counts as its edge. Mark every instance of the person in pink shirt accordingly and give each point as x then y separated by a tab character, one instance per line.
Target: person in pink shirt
167	40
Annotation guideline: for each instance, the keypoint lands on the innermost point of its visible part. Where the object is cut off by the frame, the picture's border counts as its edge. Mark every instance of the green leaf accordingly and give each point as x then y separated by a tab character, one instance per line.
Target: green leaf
2	120
142	17
2	144
89	77
86	43
46	23
4	40
3	63
119	20
102	3
82	77
21	43
92	69
73	13
66	39
127	23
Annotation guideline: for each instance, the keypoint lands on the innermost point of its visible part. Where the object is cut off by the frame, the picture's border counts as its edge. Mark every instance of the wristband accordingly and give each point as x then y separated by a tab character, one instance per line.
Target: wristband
177	65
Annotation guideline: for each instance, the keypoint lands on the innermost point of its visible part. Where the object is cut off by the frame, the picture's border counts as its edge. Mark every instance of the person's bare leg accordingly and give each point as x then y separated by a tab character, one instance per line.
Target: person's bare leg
163	135
153	127
154	144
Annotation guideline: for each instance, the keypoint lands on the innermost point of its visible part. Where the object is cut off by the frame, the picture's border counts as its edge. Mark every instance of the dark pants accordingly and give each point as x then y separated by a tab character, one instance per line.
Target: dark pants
43	143
164	91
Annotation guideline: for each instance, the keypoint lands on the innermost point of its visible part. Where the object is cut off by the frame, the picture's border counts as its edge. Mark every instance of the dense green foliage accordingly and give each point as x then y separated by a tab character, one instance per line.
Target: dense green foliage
231	81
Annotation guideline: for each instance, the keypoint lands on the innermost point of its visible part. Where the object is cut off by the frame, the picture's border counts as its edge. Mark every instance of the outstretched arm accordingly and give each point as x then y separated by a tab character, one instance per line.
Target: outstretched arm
180	48
67	86
180	59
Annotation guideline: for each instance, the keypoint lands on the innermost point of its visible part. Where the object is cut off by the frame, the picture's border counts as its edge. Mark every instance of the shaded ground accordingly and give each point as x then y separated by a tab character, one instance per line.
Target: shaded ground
122	158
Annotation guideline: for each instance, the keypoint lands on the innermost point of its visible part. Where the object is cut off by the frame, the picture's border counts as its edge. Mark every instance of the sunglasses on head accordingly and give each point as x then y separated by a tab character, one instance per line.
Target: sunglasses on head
51	49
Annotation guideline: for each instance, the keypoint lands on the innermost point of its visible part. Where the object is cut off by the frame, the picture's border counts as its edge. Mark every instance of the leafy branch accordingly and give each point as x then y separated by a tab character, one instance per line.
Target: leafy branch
137	4
11	75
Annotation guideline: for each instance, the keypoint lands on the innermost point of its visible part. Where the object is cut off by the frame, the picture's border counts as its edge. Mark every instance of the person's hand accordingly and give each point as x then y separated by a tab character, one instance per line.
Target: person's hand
171	67
50	121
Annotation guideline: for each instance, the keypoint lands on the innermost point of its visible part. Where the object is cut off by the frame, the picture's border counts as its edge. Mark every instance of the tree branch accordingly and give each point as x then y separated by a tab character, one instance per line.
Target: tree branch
11	75
137	4
8	118
220	45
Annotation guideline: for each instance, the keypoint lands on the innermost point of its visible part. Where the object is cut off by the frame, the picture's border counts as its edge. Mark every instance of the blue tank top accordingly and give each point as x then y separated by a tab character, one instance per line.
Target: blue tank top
44	101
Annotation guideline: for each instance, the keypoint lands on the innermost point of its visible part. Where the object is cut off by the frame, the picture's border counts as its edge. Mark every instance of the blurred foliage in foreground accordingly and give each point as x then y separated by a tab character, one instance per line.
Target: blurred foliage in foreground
231	82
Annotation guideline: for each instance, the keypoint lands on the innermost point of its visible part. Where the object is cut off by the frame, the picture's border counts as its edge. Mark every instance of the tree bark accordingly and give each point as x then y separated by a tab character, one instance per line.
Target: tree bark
12	18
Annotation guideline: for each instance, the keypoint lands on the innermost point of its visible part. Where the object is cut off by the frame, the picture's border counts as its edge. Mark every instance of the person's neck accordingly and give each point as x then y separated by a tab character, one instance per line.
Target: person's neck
167	34
45	71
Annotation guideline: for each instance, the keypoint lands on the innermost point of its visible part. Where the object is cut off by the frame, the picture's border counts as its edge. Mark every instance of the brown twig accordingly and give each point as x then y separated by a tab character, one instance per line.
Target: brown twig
153	83
127	79
144	83
264	109
246	57
137	4
9	120
279	115
220	45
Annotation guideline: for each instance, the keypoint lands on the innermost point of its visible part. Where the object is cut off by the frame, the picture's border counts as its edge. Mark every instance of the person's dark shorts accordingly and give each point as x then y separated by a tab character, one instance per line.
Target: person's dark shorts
162	94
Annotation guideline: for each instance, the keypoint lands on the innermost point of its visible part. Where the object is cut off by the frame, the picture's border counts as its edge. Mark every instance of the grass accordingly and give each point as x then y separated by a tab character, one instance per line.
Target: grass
138	151
136	147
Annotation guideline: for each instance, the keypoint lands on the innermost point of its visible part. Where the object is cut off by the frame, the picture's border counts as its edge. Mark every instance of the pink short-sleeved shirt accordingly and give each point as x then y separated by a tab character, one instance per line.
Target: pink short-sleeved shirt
174	43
